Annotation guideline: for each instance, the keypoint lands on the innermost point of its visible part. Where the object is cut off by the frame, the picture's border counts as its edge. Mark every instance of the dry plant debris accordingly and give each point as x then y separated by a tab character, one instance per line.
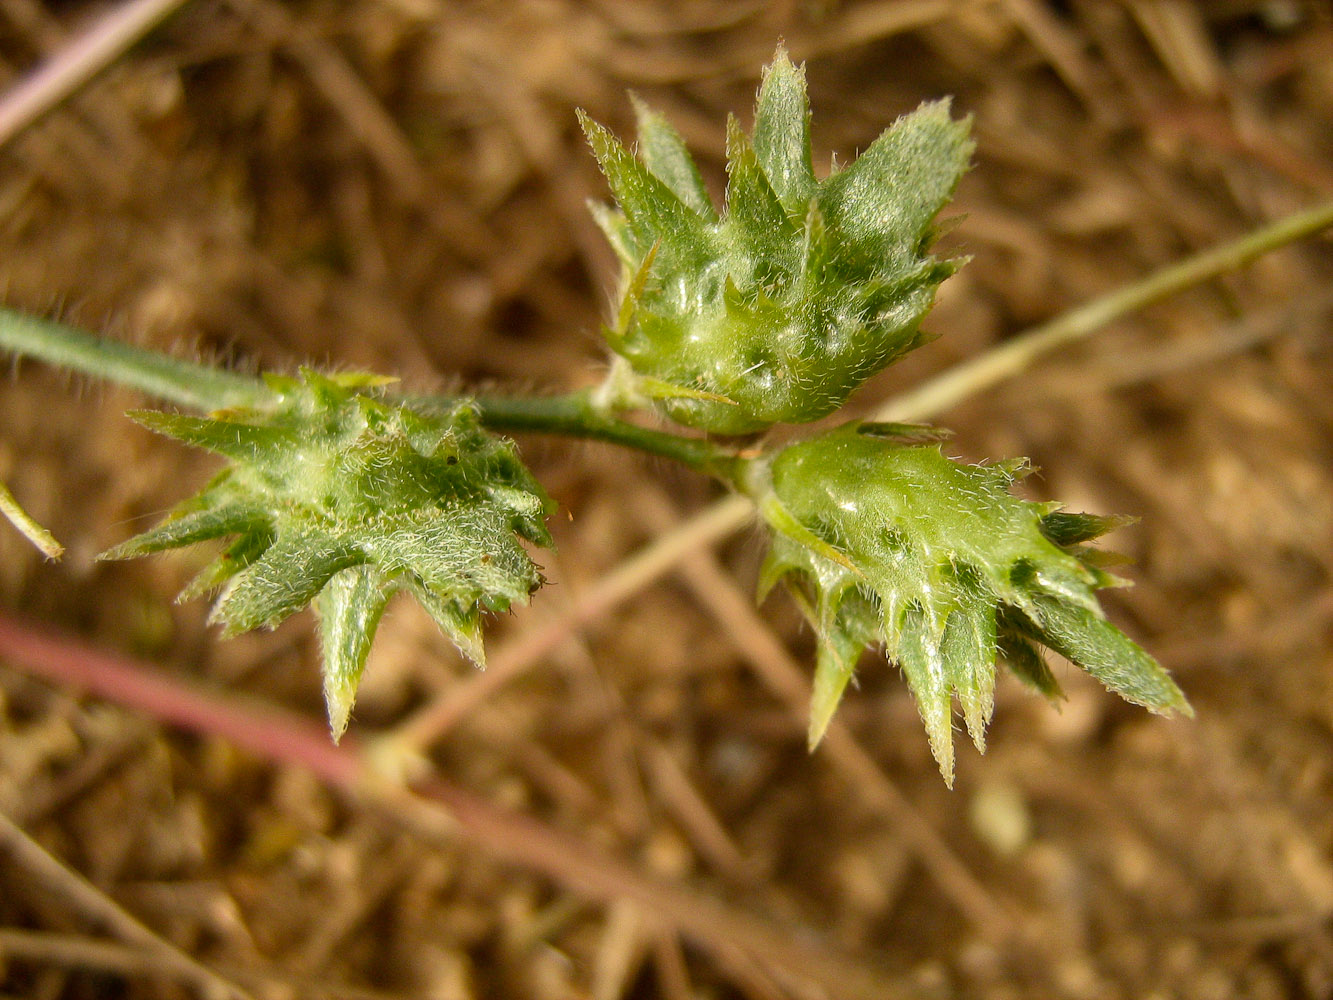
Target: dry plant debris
399	185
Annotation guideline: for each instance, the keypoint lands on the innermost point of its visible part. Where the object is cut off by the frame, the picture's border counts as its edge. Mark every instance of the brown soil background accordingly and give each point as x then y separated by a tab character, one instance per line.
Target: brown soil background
400	185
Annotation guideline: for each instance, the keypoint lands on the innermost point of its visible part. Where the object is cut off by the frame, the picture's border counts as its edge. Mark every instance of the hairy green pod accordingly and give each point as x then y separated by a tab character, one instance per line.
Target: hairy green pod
336	497
892	543
778	308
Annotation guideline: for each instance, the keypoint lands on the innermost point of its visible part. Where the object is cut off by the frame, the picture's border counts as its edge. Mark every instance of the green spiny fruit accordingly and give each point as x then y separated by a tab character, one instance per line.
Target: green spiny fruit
335	497
890	542
777	309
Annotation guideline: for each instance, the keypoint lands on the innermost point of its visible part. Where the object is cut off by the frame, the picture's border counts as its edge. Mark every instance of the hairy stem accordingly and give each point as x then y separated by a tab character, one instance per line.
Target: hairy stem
203	387
574	415
187	383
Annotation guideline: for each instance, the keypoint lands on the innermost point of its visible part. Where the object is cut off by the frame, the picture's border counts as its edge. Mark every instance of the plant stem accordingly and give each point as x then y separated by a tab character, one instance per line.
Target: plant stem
187	383
1014	356
30	529
202	387
79	60
574	415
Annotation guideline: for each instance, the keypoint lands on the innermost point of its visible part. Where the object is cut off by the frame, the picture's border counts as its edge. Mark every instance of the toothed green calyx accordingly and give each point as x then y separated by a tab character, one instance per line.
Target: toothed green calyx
778	308
338	497
891	543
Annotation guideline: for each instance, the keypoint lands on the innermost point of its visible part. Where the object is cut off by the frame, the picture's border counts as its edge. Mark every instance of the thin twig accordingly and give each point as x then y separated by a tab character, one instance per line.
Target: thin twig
77	951
1062	48
695	814
620	952
28	855
1153	363
78	61
74	951
1015	356
673	976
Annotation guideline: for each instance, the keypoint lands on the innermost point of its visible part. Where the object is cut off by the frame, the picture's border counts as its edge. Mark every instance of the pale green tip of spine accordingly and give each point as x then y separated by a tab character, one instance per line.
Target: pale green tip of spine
349	608
339	699
779	518
833	672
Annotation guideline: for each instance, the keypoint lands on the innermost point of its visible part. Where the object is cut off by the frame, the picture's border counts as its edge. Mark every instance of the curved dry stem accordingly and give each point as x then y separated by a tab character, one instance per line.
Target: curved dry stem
25	854
1015	356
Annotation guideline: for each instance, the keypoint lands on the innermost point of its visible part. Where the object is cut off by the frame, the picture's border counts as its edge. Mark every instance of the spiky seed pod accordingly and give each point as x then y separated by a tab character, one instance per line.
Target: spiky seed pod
337	498
892	543
777	309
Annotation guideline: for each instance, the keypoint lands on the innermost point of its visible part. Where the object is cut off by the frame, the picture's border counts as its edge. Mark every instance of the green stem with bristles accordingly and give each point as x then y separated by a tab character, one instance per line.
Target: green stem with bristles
187	383
575	415
202	387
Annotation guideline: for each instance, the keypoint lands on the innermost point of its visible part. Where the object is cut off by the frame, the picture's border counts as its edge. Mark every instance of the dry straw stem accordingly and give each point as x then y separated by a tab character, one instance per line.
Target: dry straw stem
68	951
80	59
25	854
1016	356
74	952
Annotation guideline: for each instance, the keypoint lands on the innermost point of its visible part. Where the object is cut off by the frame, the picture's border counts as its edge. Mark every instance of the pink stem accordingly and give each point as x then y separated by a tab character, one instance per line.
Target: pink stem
269	733
436	808
77	62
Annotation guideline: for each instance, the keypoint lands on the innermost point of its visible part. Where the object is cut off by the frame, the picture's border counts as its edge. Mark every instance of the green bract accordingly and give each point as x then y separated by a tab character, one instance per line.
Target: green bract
890	542
337	498
775	310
